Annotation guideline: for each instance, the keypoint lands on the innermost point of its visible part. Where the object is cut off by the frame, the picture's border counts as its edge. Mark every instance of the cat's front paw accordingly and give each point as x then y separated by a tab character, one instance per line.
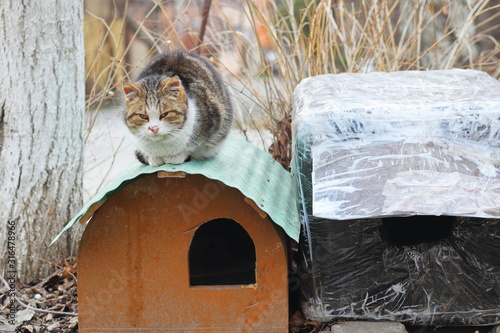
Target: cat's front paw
140	156
177	159
149	160
156	161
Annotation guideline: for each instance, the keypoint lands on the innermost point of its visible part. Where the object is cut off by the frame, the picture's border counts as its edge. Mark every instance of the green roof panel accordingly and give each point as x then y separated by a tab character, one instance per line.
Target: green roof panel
240	165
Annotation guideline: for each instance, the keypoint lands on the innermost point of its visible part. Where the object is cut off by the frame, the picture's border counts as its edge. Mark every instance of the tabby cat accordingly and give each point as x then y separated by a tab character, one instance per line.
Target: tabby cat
179	108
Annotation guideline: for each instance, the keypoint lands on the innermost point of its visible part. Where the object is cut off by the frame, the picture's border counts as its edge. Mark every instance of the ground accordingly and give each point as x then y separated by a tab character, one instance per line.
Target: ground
58	292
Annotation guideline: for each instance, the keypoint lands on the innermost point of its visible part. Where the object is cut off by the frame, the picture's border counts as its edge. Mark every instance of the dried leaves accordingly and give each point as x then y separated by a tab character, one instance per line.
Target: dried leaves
55	293
281	148
298	324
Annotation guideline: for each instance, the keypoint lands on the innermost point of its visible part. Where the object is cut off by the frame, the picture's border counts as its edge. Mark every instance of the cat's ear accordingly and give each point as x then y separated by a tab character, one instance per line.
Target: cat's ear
130	90
171	86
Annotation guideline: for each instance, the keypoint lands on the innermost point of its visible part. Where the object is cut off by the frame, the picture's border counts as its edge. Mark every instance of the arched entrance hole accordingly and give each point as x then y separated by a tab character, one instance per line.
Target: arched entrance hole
221	253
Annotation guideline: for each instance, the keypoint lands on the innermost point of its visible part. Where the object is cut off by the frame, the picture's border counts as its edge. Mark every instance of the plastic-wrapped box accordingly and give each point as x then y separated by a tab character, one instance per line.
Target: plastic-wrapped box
399	196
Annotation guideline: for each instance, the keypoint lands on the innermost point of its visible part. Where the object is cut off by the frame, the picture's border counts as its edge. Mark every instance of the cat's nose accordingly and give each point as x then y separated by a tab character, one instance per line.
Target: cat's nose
154	129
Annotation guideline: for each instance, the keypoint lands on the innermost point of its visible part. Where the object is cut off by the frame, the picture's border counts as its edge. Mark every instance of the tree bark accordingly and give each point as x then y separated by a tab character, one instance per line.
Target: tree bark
42	103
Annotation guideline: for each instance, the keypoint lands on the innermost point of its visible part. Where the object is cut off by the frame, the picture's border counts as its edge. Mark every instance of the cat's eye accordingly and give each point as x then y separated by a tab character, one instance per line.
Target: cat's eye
143	116
164	114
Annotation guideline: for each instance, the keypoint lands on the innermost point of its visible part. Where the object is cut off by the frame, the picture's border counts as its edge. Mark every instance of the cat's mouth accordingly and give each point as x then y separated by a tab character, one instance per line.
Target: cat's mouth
160	136
157	136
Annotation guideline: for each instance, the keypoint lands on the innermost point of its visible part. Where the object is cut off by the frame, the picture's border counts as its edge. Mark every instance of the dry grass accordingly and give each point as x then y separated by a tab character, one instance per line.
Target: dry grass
264	48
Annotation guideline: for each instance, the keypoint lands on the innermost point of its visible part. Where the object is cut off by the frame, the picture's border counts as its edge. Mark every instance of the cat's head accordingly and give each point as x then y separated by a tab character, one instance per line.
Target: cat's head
155	106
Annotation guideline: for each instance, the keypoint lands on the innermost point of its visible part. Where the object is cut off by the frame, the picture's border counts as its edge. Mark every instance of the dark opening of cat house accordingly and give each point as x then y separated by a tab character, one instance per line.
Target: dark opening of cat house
412	230
221	253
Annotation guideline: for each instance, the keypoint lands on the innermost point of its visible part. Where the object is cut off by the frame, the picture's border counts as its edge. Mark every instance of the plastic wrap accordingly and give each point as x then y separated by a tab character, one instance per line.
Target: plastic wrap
372	148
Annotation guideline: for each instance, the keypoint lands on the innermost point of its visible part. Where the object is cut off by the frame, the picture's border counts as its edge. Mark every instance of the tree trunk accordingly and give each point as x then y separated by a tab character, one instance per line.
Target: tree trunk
42	102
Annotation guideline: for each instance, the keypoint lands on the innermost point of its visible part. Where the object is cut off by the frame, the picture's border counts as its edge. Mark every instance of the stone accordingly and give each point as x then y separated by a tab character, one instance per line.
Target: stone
368	327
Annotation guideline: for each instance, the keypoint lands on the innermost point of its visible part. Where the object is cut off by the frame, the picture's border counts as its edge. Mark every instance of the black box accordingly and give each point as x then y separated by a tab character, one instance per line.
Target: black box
397	175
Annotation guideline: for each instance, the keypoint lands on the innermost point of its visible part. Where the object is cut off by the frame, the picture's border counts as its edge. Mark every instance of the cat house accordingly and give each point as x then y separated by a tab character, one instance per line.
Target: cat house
196	247
397	178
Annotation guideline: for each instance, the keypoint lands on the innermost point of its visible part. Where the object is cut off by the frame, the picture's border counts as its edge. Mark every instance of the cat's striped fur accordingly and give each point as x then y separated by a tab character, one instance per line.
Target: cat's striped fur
179	107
